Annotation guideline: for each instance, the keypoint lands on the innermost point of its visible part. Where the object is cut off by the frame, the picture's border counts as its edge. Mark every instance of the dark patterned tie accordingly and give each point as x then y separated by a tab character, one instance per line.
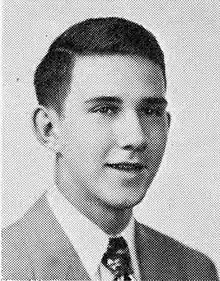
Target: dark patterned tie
117	258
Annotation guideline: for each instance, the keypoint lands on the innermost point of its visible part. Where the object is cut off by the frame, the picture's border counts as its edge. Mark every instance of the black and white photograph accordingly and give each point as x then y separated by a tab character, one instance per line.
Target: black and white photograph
110	140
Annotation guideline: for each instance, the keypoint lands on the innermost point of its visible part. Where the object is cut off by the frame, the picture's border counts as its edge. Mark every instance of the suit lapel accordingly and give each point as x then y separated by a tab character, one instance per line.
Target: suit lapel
155	260
52	253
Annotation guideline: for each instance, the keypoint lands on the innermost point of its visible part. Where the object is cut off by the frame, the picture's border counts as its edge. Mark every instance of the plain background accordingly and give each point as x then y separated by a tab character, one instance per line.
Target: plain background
183	201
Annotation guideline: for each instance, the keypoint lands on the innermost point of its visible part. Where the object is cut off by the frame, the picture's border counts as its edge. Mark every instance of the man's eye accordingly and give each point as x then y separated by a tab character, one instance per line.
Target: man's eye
149	111
106	109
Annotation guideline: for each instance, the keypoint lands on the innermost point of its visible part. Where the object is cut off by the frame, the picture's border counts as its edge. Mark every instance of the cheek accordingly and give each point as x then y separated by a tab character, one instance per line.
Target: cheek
157	137
85	140
156	147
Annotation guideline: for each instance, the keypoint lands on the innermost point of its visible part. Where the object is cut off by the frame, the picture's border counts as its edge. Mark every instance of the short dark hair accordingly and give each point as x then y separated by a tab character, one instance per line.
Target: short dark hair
102	36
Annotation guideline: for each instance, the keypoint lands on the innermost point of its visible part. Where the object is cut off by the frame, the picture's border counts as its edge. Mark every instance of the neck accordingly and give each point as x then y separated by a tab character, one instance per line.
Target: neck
110	219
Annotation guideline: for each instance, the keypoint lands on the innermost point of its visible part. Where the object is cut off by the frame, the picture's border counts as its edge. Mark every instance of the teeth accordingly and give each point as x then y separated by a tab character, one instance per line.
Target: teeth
127	166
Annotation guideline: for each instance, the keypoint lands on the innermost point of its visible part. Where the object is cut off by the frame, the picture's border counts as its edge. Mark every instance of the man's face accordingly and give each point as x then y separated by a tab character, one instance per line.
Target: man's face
115	129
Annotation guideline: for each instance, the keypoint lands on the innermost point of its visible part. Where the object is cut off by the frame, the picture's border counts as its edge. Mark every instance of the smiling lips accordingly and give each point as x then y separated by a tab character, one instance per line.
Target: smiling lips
127	167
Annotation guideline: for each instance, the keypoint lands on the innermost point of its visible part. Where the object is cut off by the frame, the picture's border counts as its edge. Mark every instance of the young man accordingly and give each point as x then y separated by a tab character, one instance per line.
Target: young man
102	110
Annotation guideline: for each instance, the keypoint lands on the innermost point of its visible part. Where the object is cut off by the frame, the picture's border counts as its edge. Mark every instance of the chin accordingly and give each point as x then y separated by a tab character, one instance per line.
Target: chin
126	194
128	202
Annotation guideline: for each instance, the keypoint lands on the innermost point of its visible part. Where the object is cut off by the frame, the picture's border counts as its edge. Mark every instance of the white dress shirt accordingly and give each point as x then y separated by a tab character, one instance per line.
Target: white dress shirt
89	241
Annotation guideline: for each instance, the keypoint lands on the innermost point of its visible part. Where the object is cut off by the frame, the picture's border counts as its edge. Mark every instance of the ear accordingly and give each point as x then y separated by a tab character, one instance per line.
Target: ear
46	125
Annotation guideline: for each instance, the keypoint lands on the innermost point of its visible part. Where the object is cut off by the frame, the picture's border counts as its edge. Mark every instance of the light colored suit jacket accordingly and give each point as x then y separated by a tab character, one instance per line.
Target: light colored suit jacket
36	247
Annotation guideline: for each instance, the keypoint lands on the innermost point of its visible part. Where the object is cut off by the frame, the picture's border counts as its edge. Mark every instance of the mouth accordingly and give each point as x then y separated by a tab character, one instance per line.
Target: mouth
127	167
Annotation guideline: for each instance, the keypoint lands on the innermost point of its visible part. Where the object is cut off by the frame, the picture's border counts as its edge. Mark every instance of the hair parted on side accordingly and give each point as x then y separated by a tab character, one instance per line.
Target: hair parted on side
101	36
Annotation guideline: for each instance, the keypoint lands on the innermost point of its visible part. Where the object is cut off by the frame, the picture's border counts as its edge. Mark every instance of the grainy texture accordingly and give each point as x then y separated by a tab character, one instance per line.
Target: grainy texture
194	185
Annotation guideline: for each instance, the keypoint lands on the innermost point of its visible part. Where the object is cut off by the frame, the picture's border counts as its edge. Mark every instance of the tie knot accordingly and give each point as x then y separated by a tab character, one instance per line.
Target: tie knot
117	244
117	258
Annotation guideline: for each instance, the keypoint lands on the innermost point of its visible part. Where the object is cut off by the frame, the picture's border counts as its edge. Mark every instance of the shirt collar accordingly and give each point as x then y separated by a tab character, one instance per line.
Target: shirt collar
84	235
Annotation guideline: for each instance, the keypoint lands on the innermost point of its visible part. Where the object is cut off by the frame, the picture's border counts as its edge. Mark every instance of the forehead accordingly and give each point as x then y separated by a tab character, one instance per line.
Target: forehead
128	77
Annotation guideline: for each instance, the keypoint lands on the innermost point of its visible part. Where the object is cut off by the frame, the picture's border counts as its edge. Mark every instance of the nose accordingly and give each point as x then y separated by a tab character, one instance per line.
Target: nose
129	132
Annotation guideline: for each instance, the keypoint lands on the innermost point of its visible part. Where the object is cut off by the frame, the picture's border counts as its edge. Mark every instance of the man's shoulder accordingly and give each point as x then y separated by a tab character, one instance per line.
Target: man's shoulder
167	242
33	216
33	227
170	244
15	243
172	252
38	223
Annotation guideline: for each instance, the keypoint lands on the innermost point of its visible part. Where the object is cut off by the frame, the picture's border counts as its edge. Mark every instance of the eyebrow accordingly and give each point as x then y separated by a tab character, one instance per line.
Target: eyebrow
104	99
114	99
155	101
